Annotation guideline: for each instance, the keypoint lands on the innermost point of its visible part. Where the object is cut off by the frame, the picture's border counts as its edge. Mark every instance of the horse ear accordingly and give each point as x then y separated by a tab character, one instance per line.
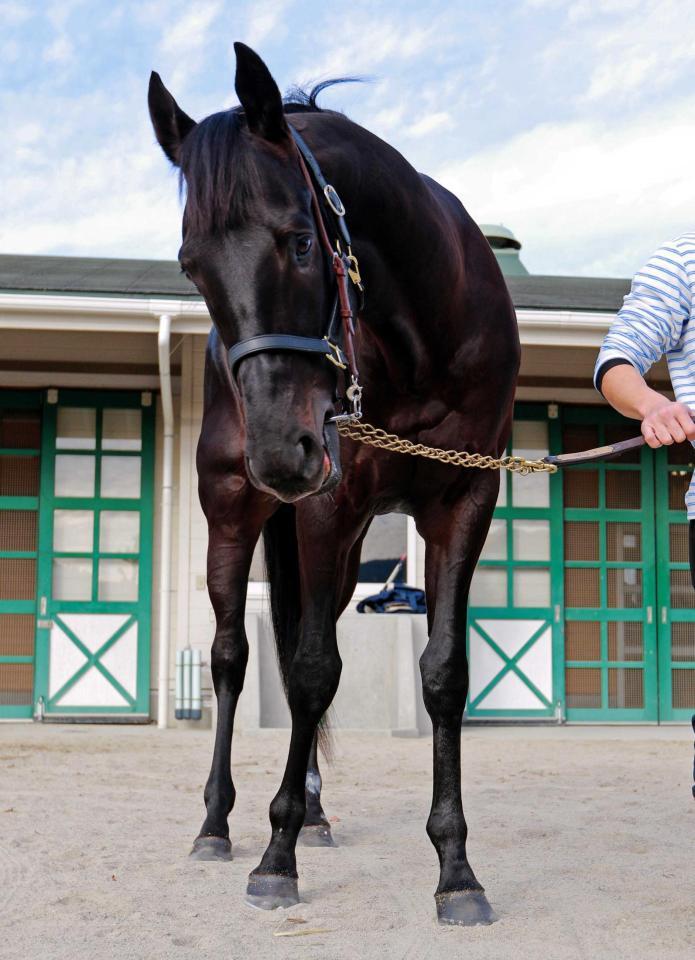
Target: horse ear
171	124
259	95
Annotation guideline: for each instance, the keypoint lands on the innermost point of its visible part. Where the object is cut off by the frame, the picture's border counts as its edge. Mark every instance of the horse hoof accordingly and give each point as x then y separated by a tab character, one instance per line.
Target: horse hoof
464	908
316	835
211	848
270	891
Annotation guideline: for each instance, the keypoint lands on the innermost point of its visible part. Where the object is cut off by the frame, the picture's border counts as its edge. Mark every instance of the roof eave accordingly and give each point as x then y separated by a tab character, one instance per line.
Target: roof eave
108	314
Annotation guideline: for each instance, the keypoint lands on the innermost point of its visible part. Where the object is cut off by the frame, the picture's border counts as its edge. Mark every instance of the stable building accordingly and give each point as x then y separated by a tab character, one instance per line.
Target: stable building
581	608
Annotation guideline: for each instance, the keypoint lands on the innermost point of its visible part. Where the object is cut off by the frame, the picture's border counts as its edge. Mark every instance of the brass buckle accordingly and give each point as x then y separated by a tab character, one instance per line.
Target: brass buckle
336	357
333	200
354	269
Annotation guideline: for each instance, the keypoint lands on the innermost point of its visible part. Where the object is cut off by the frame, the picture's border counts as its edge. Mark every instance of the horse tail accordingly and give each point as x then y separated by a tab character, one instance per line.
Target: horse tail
282	572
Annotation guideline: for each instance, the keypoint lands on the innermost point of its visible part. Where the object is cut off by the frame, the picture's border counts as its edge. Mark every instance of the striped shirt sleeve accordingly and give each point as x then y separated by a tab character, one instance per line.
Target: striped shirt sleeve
650	322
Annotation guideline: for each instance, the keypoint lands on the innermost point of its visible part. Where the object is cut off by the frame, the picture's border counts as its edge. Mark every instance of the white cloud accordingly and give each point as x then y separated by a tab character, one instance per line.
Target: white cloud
645	49
60	51
585	196
359	47
58	12
190	31
185	40
112	195
28	133
428	124
622	47
579	10
13	13
10	51
388	118
265	20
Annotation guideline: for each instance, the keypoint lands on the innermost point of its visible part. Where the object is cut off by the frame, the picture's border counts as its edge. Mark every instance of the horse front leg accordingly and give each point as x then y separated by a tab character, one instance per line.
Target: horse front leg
454	538
328	555
230	549
313	681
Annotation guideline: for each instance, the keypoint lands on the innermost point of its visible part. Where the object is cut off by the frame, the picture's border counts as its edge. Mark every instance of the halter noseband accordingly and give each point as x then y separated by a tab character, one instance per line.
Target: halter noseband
337	345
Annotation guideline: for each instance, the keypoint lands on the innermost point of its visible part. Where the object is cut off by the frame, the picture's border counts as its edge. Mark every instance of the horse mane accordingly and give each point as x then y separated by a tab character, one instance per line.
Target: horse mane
219	192
298	100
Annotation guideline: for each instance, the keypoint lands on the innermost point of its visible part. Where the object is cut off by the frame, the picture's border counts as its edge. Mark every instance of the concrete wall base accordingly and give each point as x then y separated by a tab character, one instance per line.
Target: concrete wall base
380	687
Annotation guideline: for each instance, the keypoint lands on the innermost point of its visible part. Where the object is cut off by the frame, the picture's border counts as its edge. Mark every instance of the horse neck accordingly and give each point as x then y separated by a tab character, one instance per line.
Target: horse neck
408	247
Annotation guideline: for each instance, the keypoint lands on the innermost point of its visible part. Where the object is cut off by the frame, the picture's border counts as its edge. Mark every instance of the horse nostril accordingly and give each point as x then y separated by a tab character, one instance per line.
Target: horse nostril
308	445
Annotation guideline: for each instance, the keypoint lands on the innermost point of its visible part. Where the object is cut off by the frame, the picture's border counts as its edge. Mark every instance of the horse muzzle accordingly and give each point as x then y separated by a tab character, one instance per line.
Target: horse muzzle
300	469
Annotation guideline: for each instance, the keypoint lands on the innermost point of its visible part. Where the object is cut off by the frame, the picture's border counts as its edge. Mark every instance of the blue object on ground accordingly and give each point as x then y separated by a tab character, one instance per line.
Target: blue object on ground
394	599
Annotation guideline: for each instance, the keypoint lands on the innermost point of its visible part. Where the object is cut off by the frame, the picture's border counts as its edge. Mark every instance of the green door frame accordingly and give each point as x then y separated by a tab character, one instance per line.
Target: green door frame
137	611
547	617
601	514
19	400
672	519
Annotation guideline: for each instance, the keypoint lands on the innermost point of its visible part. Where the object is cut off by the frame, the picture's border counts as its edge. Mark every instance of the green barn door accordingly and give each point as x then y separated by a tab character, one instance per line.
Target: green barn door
610	589
515	603
676	597
20	441
95	554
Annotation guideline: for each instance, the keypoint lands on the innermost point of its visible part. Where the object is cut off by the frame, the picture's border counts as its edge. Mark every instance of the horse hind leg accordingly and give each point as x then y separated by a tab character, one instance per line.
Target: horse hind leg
316	830
313	673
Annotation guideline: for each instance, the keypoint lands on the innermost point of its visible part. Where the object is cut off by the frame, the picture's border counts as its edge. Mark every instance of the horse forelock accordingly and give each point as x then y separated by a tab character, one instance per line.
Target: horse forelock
219	174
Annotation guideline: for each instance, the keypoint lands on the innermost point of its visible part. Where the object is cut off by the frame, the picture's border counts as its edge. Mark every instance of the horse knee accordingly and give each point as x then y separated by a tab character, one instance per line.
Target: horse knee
313	683
444	682
229	656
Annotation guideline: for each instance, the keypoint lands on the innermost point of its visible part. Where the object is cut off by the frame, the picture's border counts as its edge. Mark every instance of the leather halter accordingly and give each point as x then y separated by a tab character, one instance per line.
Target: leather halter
337	345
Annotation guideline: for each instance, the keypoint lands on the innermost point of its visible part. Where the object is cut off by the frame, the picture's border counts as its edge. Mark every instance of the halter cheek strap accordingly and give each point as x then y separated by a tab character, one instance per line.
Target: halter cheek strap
337	345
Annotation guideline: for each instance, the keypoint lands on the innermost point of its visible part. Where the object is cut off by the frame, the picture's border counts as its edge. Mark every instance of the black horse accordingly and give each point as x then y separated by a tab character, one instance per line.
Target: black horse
437	347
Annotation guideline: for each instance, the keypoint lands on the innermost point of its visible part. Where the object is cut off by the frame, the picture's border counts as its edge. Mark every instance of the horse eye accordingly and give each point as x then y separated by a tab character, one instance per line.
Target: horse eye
303	245
187	274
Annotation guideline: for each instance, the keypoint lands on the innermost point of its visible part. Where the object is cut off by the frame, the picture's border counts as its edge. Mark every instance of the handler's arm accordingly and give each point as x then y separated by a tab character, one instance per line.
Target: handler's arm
649	325
663	422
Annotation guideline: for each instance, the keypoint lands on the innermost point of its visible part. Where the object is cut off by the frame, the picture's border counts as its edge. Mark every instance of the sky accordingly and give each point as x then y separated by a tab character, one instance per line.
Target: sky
571	122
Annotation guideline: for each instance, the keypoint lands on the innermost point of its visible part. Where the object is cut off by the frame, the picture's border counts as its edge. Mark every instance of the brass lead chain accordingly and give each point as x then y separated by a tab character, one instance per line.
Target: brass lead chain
375	437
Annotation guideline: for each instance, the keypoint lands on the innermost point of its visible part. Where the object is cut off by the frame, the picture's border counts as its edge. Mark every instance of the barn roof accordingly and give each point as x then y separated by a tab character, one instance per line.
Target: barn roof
162	278
94	275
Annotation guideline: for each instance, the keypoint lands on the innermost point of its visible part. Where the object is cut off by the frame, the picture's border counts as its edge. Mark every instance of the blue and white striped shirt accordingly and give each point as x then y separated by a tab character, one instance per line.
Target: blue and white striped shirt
657	318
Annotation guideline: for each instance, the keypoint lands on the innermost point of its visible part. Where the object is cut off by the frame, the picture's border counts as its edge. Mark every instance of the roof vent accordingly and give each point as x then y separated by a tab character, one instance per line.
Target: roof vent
506	249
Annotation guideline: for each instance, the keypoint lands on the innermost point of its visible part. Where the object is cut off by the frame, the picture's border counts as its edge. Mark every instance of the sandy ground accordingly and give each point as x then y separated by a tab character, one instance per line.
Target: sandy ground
583	838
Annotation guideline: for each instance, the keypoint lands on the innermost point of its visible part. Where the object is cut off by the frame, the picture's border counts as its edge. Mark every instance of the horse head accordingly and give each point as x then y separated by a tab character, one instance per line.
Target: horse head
250	246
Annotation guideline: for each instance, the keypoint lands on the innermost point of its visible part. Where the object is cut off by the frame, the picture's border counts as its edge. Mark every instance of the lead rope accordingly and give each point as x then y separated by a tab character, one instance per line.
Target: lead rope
375	437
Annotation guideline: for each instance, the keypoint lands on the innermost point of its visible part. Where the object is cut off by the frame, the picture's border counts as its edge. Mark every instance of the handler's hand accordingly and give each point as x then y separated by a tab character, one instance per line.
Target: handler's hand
668	423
